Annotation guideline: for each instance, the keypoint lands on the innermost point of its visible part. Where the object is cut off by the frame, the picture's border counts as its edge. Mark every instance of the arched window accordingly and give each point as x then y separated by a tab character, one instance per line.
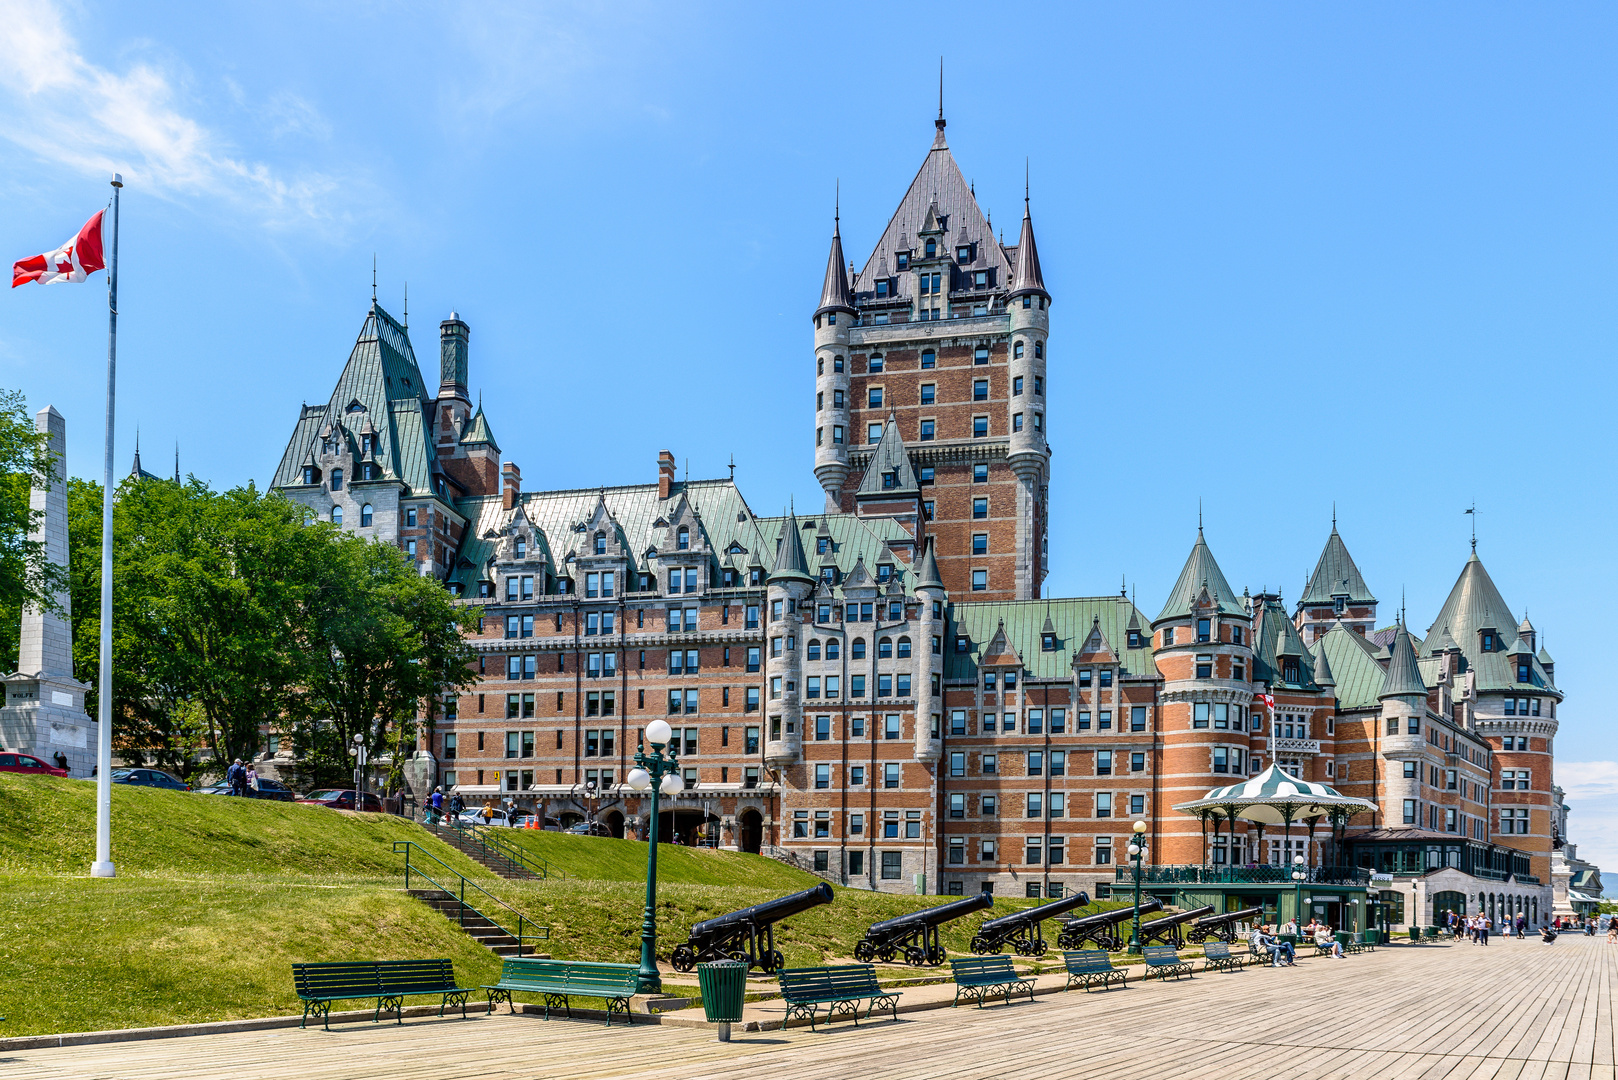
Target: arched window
601	543
682	539
856	649
337	479
834	649
820	366
1016	351
366	515
337	515
932	248
884	648
814	648
522	548
904	647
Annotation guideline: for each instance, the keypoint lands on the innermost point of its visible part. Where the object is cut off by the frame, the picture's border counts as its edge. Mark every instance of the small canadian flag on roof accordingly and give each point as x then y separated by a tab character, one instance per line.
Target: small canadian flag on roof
77	258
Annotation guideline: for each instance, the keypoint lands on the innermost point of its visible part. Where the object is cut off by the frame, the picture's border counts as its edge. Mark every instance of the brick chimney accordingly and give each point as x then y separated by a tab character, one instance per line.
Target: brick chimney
665	473
512	477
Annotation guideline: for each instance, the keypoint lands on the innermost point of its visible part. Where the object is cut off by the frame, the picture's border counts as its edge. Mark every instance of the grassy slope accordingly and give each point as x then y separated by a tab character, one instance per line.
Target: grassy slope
596	858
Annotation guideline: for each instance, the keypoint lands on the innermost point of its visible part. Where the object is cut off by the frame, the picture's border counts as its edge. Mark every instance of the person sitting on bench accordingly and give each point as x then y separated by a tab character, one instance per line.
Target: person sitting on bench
1326	940
1279	950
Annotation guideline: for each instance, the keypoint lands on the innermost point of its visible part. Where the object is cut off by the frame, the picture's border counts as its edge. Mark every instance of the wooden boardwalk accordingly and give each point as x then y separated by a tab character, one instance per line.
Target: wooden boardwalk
1517	1010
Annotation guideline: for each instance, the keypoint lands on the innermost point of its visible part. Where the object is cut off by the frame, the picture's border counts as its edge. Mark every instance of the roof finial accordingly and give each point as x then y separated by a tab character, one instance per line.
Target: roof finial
1473	510
1401	605
406	322
940	91
1025	186
733	468
177	472
1334	515
1199	517
373	277
837	205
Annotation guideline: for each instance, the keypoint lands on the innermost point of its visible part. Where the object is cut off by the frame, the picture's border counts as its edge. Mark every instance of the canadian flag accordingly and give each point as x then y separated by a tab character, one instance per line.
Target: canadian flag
1269	700
75	260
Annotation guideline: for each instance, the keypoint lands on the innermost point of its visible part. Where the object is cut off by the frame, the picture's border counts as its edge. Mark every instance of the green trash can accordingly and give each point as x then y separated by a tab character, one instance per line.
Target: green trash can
1344	938
1415	933
724	987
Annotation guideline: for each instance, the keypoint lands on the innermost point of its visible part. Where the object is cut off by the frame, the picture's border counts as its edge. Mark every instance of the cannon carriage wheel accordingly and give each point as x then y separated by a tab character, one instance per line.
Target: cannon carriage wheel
935	955
684	958
864	951
984	947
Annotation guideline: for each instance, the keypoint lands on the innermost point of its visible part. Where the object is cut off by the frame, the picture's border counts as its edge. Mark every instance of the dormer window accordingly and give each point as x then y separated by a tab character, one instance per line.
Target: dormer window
522	548
374	472
1047	643
1289	671
682	539
1523	673
932	248
1488	641
1204	630
980	280
365	444
755	577
1134	640
311	475
890	480
963	254
901	260
884	572
881	288
601	543
1338	605
337	479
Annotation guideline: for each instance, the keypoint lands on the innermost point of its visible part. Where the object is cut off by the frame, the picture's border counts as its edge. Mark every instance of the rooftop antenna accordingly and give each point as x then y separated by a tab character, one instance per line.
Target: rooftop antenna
1473	510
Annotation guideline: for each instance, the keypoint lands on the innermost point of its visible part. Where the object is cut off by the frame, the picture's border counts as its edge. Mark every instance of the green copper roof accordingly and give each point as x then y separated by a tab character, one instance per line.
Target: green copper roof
1023	622
1475	605
927	574
1336	575
477	430
1277	638
1404	675
1201	571
1323	675
890	457
1545	656
1359	677
790	565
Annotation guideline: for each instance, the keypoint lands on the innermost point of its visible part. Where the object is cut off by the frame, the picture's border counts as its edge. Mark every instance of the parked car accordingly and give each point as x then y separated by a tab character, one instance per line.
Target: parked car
512	818
149	778
25	763
585	828
267	789
342	799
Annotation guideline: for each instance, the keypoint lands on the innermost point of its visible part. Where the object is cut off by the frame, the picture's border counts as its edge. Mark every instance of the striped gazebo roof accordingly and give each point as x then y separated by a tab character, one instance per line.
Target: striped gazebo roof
1273	797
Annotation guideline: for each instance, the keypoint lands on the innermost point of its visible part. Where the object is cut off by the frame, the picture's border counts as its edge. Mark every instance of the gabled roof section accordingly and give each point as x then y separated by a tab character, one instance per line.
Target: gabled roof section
1026	276
835	294
938	186
1201	573
1023	621
1323	675
1474	605
1359	678
890	457
1278	638
1336	575
790	565
1000	652
1404	675
478	431
1096	649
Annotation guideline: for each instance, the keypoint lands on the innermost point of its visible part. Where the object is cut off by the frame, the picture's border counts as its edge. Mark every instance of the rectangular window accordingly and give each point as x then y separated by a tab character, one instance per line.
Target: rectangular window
822	728
1036	804
980	427
957	763
890	775
1036	762
1103	762
928	392
1058	721
1103	851
822	777
980	580
990	764
1410	811
1199	714
1137	718
1104	804
892	865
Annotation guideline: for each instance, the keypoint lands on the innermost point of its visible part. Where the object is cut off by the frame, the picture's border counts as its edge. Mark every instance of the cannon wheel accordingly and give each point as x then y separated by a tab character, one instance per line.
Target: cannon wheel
887	953
983	946
683	958
935	955
915	956
740	956
864	951
772	961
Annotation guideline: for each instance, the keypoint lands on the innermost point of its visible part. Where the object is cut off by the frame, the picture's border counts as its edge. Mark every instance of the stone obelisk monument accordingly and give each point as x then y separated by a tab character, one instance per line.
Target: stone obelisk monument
44	710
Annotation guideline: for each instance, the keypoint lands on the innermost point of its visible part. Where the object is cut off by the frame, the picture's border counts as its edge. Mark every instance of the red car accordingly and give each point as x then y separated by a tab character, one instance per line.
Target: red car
23	763
342	799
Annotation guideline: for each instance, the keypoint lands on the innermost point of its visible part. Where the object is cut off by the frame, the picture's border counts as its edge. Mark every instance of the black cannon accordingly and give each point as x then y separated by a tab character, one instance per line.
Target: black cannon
1167	931
1104	930
748	934
916	934
1220	927
1021	930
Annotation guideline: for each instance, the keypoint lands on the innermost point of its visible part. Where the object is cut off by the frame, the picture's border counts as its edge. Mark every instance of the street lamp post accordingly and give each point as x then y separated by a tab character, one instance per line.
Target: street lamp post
358	752
654	772
1137	848
1298	876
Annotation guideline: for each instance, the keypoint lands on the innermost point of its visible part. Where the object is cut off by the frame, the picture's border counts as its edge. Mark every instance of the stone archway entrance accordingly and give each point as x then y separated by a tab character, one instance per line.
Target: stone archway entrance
750	831
614	821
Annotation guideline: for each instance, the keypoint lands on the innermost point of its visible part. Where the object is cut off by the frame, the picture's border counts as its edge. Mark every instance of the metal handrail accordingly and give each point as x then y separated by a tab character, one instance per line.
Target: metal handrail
500	847
524	923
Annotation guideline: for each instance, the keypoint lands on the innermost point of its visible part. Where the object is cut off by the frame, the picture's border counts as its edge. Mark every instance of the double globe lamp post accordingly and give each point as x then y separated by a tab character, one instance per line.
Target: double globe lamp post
658	773
1136	849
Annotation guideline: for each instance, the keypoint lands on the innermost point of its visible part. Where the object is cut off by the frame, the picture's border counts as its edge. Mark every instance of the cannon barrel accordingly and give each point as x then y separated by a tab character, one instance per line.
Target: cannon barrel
1107	918
1229	916
1157	926
768	912
932	916
1035	914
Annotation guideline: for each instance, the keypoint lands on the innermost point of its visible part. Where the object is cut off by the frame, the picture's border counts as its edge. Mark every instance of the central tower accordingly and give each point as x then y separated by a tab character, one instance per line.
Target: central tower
944	332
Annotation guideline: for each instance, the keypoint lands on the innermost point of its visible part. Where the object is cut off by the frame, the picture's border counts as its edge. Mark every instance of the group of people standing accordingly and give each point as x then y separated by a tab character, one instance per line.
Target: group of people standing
243	780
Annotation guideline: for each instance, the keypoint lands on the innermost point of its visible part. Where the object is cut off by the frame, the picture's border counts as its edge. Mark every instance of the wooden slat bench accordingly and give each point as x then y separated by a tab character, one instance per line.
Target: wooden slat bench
561	980
841	989
388	981
979	976
1087	967
1163	961
1367	939
1216	956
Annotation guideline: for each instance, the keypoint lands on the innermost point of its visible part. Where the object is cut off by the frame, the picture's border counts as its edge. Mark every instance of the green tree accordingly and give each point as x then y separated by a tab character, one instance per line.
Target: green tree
26	577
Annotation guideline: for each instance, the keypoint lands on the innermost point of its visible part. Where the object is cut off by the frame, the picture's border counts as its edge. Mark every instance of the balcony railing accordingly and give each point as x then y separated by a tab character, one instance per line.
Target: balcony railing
1242	875
1294	746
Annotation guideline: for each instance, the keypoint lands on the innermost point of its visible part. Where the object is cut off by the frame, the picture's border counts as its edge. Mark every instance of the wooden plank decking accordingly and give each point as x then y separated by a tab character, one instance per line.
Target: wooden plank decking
1517	1010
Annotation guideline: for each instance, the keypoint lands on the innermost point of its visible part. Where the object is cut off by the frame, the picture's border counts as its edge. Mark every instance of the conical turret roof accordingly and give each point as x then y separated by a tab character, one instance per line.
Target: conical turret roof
1026	276
1336	575
1404	676
1323	675
478	431
790	564
1201	571
927	574
835	294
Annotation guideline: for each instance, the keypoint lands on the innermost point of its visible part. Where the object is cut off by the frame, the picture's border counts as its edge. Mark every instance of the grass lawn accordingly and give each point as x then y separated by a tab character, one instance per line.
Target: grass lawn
598	858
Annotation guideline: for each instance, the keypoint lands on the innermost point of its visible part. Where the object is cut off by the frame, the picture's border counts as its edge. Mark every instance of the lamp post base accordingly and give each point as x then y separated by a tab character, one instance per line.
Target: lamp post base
102	869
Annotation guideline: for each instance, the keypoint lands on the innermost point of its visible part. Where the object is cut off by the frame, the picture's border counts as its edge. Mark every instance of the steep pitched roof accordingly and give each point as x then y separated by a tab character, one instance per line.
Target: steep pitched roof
1000	652
1277	638
1404	674
890	457
1323	675
478	430
1474	605
1359	678
938	185
1200	571
1336	575
835	294
1023	624
790	565
1026	276
927	575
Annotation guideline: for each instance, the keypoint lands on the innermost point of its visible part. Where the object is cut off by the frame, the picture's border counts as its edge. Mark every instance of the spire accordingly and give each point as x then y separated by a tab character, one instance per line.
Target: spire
927	576
1336	574
478	431
938	139
835	294
1404	676
136	471
176	461
892	458
1201	572
790	564
1026	276
1323	676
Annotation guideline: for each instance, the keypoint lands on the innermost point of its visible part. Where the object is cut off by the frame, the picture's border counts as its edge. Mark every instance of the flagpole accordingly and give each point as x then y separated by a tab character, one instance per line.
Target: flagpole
102	867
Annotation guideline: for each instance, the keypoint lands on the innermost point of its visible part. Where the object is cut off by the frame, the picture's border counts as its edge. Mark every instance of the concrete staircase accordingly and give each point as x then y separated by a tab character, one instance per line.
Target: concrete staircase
493	859
478	928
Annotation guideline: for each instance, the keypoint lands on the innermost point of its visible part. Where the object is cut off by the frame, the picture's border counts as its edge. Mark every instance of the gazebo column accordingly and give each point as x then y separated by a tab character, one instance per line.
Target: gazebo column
1202	816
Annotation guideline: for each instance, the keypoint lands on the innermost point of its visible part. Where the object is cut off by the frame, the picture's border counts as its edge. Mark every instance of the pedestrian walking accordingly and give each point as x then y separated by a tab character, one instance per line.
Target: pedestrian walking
236	778
488	813
251	786
1484	923
435	806
457	806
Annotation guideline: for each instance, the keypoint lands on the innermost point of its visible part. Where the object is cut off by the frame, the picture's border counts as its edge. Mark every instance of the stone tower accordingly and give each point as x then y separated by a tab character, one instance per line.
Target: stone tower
943	334
44	710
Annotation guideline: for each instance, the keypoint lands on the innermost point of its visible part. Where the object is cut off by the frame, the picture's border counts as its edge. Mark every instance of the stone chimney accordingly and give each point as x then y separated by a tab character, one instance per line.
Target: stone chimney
453	336
665	473
512	477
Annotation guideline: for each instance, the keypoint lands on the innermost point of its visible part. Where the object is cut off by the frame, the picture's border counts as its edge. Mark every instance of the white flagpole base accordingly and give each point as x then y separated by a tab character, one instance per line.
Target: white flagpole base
102	869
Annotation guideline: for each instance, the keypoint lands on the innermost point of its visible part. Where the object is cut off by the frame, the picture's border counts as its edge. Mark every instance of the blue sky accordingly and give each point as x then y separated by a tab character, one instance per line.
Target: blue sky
1299	254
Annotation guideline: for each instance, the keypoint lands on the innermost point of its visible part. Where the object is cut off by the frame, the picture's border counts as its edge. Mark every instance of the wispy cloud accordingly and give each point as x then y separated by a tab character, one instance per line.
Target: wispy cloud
71	112
1592	799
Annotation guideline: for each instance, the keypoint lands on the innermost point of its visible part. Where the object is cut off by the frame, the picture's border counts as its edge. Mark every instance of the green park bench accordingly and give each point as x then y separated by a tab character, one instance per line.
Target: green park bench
1086	967
841	989
1162	961
388	981
1216	956
1368	939
1429	933
979	976
561	980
